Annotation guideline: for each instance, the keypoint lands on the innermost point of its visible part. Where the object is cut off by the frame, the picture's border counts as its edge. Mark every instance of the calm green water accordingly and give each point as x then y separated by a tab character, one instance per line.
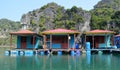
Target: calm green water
63	62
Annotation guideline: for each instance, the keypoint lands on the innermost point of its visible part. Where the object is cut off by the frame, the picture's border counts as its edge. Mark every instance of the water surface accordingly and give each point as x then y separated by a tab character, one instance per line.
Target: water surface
63	62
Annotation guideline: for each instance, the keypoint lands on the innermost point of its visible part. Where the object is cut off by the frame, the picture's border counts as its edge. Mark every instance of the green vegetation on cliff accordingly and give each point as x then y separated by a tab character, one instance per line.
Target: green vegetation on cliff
7	26
53	16
104	15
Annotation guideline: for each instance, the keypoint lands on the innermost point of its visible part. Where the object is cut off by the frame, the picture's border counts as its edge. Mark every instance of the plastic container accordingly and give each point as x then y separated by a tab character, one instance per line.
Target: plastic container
77	46
87	46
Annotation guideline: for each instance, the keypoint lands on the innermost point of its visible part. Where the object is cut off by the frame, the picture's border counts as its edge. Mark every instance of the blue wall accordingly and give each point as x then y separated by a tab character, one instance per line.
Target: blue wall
106	43
18	41
28	42
117	41
29	45
58	45
71	42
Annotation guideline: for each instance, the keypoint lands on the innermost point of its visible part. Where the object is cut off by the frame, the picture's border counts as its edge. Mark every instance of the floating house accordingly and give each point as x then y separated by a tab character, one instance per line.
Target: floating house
59	38
117	40
99	38
26	39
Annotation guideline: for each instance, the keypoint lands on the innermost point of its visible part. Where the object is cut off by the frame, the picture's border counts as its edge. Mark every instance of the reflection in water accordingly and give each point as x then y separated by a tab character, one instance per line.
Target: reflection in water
88	58
63	62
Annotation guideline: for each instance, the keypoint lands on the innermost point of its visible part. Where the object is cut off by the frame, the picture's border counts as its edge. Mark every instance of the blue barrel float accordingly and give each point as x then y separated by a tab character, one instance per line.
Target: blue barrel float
41	52
88	47
72	52
7	52
29	52
14	52
21	52
59	52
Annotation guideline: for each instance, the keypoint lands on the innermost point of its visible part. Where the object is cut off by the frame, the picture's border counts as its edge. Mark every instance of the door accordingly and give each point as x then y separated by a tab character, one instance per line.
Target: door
23	42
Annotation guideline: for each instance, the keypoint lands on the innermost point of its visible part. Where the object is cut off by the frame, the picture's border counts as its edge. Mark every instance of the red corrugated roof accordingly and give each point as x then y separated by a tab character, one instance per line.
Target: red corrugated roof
60	31
22	32
98	32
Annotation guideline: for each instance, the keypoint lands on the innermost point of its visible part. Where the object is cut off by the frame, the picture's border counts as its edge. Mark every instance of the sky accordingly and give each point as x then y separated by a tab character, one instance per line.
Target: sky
14	9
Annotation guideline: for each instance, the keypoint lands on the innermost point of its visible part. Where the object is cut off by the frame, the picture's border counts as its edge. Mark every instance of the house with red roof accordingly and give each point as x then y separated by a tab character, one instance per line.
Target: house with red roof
59	38
26	39
99	38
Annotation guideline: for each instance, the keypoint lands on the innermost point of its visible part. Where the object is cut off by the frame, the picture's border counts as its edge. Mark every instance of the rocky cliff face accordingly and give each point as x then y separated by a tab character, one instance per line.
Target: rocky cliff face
114	4
52	15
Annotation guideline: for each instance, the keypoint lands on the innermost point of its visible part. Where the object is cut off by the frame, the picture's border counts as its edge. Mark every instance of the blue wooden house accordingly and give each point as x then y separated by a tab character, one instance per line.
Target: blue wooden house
26	39
99	38
117	41
59	38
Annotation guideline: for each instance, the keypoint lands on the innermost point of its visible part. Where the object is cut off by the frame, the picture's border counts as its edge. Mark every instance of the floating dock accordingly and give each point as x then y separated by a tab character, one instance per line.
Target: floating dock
105	50
27	52
59	51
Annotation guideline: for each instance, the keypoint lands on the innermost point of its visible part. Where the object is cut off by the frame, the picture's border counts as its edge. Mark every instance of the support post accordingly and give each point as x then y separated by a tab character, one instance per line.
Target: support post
74	39
85	41
93	42
113	40
10	41
33	41
44	46
50	41
106	40
68	41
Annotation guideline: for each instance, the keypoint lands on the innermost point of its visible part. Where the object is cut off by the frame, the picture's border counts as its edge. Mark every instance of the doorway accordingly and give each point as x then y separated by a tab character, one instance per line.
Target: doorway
23	42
